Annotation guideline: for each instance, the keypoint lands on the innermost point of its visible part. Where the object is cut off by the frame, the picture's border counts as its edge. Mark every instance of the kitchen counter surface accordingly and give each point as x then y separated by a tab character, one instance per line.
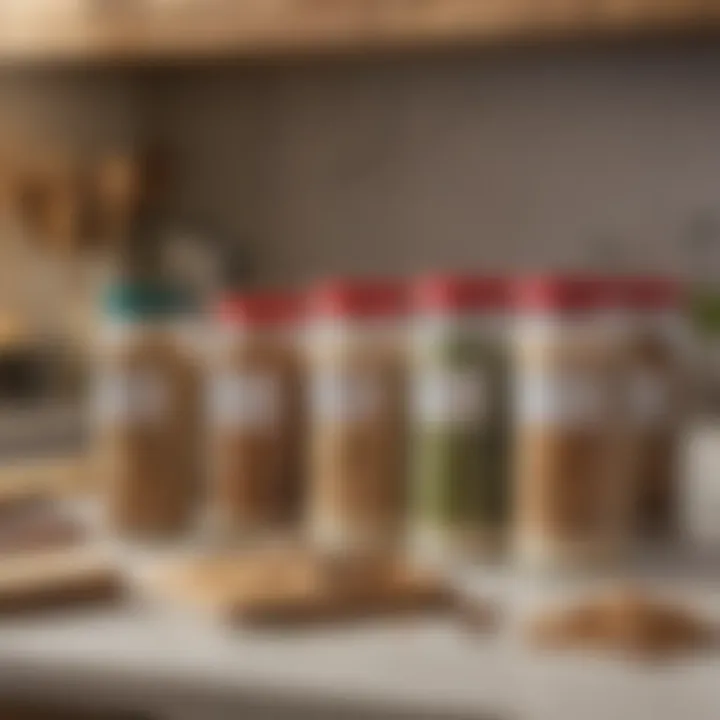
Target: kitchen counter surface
173	665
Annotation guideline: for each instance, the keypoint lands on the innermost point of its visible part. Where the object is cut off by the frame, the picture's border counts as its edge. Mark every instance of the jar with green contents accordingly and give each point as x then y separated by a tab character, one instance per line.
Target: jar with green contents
459	415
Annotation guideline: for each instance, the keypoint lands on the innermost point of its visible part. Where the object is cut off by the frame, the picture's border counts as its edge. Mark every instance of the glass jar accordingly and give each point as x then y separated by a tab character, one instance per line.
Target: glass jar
253	415
146	403
459	415
571	474
357	415
656	399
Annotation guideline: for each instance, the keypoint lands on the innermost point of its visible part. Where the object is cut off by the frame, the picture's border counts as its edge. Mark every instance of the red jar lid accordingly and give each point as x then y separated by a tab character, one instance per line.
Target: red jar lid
361	299
461	293
259	308
565	293
650	292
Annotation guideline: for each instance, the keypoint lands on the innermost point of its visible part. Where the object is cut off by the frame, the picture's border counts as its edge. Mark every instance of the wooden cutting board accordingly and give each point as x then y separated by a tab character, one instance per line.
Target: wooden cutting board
60	476
296	587
56	579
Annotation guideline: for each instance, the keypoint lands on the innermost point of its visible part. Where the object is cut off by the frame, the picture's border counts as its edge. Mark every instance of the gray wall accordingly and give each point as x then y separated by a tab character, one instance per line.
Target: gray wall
491	158
73	109
495	158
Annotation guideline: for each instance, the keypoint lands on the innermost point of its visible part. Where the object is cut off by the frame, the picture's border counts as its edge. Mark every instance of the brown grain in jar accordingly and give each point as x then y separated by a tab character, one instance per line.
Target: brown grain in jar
147	409
569	470
357	415
254	415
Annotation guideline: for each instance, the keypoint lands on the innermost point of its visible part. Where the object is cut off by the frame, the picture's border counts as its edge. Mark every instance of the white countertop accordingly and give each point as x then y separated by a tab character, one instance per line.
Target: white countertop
150	657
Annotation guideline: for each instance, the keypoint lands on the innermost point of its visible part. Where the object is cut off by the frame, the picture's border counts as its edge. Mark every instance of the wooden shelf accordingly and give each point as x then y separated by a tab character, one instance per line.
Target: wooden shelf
143	30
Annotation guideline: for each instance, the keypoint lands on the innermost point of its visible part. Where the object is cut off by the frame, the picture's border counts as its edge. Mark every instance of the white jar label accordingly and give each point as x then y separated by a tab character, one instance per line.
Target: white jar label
555	397
701	491
244	400
452	397
340	396
130	398
648	398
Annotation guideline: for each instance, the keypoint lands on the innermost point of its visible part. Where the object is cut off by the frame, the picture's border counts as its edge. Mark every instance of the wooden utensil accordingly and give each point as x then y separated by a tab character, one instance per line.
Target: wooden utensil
290	587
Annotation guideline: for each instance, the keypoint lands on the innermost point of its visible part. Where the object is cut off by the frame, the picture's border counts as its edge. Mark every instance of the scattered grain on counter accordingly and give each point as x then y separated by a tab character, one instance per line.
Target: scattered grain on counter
626	620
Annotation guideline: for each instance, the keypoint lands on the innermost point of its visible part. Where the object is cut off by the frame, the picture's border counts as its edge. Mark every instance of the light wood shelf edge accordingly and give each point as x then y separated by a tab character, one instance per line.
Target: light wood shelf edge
275	27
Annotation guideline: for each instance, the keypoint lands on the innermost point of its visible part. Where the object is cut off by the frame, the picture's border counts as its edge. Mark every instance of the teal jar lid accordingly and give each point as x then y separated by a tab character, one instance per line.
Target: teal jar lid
139	301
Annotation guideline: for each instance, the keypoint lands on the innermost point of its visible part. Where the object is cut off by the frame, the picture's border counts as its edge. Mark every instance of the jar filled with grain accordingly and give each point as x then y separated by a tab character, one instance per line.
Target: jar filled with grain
459	415
570	472
355	343
656	400
253	415
146	402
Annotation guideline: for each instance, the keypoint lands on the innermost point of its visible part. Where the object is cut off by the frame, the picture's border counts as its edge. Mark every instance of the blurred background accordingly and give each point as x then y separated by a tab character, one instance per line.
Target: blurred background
253	143
354	136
